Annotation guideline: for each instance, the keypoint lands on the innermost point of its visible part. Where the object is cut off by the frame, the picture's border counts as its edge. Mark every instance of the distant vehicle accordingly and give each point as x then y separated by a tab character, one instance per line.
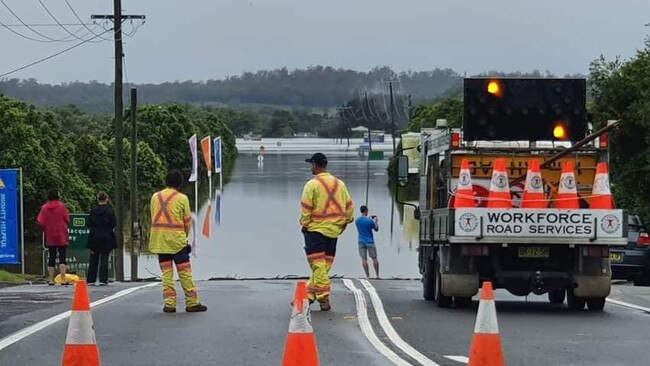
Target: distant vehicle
633	261
252	137
377	136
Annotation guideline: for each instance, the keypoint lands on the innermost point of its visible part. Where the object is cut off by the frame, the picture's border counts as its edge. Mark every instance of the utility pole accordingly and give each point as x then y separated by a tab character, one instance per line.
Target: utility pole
117	19
392	113
135	213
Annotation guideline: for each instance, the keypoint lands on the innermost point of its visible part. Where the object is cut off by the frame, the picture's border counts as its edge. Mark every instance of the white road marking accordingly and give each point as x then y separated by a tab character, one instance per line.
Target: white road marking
366	327
461	359
26	332
627	305
390	331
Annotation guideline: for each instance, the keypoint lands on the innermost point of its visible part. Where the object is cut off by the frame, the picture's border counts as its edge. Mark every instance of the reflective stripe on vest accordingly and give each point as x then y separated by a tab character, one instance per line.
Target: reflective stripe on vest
330	203
168	222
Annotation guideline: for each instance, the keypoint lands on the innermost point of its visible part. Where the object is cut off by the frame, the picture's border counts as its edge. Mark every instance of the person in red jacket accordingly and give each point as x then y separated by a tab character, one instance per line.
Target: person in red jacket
54	218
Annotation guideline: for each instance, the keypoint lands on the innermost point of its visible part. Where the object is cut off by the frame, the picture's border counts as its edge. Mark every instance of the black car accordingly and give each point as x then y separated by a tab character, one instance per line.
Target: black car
632	262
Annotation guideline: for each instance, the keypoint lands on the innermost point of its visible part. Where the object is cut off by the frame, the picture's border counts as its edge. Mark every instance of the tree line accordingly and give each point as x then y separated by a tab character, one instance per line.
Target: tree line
67	149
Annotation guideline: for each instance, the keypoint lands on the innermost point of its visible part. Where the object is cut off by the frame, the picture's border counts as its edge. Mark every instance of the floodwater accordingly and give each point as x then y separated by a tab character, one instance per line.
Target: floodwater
259	232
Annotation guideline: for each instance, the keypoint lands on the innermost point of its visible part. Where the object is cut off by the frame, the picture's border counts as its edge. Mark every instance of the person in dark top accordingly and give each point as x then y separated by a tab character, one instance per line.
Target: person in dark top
102	239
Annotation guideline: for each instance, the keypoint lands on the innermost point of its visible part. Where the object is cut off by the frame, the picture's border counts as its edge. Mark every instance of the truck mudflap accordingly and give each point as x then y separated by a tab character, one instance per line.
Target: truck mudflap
465	285
592	286
539	226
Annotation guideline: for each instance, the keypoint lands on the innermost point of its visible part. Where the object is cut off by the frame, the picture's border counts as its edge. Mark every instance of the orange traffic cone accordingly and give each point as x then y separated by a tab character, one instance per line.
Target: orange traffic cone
601	193
80	344
486	349
499	196
464	193
300	349
567	194
534	189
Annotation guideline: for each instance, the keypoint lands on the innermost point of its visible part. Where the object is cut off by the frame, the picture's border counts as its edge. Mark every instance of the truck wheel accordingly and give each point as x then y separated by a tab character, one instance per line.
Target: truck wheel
441	300
429	281
574	302
556	296
596	304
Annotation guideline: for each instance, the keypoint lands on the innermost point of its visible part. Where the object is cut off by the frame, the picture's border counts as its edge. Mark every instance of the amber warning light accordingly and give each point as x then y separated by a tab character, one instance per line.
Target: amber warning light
559	132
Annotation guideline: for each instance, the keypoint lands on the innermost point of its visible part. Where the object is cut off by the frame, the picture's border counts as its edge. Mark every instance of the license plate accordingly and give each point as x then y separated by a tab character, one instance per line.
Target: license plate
616	257
534	252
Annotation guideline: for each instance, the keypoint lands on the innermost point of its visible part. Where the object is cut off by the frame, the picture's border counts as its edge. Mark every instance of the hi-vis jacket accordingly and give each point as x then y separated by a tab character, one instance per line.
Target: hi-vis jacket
171	217
326	205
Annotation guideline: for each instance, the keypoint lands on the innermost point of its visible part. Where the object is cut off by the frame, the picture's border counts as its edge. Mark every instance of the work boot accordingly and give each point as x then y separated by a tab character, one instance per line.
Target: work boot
169	309
325	305
196	308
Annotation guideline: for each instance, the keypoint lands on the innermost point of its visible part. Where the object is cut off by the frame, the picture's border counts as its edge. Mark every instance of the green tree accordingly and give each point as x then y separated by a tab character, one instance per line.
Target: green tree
425	115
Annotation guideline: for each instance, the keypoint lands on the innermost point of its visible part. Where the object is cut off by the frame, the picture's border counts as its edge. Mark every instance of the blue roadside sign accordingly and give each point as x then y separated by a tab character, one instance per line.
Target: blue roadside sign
9	221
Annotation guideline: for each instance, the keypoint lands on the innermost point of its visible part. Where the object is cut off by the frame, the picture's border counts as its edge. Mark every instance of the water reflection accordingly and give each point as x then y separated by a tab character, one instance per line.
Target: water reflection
259	233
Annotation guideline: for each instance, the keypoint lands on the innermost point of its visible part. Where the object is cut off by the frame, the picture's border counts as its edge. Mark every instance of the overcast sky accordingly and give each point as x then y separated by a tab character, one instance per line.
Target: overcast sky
210	39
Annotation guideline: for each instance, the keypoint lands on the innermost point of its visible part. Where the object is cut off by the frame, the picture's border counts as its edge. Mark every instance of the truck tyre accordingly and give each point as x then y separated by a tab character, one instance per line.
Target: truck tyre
556	296
574	302
596	304
441	300
429	281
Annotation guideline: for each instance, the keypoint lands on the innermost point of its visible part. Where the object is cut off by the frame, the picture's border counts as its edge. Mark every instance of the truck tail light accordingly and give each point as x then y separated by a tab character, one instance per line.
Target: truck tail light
474	250
604	141
455	139
597	251
644	239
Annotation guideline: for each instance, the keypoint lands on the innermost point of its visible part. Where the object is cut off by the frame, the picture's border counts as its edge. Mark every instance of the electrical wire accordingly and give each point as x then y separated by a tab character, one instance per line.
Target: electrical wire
82	23
62	26
47	38
50	56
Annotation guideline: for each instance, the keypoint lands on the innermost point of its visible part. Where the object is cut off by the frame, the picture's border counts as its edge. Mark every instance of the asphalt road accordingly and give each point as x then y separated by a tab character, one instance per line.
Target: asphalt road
247	323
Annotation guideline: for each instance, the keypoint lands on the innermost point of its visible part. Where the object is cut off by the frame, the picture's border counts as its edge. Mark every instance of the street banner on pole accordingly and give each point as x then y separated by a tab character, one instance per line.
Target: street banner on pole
207	223
217	207
207	153
195	161
9	220
195	222
217	154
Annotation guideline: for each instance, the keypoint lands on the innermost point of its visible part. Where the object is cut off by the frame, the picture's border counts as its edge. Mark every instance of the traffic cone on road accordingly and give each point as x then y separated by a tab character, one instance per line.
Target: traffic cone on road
601	193
486	349
499	196
80	344
567	193
464	196
300	349
533	196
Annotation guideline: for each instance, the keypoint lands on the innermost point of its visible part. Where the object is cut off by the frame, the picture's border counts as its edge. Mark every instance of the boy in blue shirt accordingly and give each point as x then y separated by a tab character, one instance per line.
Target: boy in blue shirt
365	226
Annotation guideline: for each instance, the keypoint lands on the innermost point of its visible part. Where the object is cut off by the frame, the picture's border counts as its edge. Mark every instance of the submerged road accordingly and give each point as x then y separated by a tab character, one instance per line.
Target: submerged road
383	322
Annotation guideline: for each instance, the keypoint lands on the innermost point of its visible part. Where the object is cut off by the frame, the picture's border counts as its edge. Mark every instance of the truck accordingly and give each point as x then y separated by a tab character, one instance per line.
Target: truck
556	251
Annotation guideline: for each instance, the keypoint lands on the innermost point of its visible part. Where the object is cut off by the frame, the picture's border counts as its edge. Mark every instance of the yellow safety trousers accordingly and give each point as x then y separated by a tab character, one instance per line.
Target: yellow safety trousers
187	283
319	281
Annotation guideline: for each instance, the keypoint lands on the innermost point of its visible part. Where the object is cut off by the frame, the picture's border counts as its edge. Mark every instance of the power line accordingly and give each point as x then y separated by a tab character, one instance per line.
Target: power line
49	39
81	21
51	56
61	25
45	24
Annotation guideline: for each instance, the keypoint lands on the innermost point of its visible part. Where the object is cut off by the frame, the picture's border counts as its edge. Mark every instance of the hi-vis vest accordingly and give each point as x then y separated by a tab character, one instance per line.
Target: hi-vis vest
171	217
326	205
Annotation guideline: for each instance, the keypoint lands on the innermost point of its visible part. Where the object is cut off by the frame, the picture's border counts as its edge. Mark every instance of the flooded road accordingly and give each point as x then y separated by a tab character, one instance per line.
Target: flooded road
259	234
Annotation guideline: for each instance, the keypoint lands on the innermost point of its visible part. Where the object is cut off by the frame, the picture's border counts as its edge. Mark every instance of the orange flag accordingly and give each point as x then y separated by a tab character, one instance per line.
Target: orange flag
207	153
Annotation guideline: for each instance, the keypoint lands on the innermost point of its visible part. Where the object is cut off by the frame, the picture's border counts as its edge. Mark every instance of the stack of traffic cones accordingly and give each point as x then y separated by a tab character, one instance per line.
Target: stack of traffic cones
601	193
300	349
499	196
534	189
464	192
486	349
567	194
80	344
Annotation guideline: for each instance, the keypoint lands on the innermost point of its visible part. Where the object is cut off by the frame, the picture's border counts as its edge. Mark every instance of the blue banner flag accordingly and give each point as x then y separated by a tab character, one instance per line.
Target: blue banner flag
217	154
9	240
217	207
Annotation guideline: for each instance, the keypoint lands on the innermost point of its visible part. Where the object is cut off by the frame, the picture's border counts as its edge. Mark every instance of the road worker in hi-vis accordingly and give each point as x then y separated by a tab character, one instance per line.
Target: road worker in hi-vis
171	220
326	211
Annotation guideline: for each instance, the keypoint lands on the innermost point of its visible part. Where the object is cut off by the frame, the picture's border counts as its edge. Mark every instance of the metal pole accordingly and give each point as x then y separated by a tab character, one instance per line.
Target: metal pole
119	135
22	224
392	113
368	165
135	227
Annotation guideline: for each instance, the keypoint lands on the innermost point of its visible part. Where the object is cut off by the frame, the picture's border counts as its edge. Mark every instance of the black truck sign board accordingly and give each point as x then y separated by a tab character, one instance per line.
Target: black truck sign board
536	223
